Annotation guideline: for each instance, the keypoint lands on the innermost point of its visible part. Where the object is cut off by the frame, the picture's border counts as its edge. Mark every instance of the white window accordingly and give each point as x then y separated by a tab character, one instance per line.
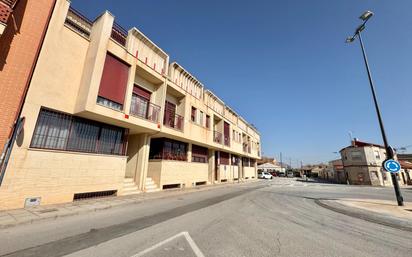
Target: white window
201	118
377	155
356	155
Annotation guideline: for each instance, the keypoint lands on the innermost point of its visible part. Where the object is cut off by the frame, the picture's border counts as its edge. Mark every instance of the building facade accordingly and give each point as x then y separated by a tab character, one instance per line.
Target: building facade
106	113
23	26
362	163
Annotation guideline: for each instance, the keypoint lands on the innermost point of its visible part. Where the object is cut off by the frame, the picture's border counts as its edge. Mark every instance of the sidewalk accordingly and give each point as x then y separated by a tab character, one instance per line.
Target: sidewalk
383	212
10	218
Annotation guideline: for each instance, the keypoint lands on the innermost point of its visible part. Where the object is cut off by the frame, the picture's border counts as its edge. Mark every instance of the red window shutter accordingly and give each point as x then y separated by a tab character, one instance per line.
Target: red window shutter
114	79
226	129
141	92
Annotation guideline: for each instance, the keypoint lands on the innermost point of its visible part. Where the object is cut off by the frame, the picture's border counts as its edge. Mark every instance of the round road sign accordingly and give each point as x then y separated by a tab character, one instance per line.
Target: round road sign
392	166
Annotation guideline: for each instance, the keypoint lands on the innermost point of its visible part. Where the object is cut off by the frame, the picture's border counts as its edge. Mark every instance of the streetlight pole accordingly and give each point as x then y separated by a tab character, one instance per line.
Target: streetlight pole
389	151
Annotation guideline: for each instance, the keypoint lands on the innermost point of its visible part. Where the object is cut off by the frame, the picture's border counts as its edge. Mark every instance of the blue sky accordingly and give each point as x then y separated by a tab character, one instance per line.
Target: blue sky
284	66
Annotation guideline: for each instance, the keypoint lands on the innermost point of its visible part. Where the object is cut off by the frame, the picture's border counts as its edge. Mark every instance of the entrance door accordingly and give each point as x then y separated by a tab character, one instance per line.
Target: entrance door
170	113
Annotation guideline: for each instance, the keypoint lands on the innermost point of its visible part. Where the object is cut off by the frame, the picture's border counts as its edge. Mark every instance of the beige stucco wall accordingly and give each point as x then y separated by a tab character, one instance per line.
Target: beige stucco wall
57	176
177	172
249	172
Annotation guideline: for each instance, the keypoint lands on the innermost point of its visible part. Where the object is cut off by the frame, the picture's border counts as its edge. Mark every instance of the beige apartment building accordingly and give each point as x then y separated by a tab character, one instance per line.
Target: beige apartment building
106	113
362	163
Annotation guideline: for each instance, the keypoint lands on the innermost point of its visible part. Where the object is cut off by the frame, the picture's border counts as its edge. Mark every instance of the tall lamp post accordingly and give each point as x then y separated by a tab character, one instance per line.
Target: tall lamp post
389	150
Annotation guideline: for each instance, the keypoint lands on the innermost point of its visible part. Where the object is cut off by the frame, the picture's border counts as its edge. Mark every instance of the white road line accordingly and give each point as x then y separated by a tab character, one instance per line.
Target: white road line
186	234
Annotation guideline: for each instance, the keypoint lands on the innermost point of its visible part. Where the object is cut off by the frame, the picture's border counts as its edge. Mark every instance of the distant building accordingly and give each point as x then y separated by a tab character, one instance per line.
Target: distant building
362	163
271	167
334	172
314	171
406	164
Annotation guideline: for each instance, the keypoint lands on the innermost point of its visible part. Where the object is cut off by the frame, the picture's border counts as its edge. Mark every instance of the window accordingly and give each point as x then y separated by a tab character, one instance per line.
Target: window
207	121
199	154
224	158
235	160
193	115
245	162
140	102
59	131
377	154
201	118
113	82
167	149
356	155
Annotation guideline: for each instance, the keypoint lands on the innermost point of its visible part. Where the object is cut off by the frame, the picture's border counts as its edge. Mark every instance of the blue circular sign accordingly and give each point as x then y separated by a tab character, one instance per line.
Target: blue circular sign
392	166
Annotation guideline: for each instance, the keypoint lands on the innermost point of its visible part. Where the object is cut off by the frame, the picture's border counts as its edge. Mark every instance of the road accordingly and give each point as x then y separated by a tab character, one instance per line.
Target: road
266	218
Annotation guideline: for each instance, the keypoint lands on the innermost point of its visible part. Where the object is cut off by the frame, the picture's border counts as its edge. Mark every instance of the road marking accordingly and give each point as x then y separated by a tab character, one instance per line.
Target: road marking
189	239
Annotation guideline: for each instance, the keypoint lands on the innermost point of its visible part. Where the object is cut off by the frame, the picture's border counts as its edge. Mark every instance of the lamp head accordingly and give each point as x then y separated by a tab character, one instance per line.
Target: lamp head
350	39
366	16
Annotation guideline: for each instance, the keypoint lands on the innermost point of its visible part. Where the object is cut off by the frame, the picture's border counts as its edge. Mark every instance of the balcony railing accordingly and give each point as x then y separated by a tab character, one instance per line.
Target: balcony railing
217	137
174	121
226	140
119	34
79	22
246	148
145	110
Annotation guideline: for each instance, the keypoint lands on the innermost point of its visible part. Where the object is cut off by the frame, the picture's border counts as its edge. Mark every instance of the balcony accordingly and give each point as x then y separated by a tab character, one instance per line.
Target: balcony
226	140
246	148
145	110
79	23
174	121
217	137
119	34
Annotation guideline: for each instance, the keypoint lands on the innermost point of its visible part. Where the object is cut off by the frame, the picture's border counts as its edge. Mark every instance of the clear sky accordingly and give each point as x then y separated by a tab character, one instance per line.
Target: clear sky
284	66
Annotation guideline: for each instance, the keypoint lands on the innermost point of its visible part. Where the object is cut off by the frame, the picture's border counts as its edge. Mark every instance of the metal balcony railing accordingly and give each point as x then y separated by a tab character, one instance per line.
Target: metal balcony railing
78	22
226	140
217	137
174	121
145	110
119	34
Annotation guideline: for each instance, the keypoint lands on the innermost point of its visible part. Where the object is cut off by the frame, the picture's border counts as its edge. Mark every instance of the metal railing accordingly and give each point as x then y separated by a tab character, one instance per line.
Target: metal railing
226	140
79	22
174	121
148	111
217	137
119	34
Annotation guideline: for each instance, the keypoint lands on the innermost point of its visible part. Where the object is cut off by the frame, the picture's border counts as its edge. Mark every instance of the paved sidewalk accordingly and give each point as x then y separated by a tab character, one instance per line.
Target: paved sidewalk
10	218
382	212
381	206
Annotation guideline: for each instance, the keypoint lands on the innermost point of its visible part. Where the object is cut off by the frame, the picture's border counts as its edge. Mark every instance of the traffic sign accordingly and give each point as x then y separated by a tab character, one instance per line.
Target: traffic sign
392	166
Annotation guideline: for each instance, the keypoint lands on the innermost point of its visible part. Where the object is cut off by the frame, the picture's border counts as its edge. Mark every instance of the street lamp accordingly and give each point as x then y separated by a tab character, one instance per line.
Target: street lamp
389	150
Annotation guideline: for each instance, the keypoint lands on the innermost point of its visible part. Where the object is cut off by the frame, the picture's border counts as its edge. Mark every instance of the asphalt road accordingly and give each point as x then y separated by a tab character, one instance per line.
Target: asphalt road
267	218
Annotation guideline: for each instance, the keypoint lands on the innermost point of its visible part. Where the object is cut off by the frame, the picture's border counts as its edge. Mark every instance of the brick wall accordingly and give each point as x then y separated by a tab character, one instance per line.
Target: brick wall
18	51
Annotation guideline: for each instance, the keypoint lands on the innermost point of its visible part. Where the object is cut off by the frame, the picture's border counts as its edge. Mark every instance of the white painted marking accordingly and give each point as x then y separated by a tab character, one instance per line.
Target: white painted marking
186	234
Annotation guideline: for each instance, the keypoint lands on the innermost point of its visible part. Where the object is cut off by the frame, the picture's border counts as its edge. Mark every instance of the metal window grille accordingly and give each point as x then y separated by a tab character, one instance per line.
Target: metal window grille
59	131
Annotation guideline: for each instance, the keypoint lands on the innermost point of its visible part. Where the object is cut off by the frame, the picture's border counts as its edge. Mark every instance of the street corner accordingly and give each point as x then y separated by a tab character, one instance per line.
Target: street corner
381	206
382	212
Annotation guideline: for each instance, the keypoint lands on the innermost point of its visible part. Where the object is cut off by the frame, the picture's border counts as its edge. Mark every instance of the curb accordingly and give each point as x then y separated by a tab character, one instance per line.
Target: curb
370	216
111	203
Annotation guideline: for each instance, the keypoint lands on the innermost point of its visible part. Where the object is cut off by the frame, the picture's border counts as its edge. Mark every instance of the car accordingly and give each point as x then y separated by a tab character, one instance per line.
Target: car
265	175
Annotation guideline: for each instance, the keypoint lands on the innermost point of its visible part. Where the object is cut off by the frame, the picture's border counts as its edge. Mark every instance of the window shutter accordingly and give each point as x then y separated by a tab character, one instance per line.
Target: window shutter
114	79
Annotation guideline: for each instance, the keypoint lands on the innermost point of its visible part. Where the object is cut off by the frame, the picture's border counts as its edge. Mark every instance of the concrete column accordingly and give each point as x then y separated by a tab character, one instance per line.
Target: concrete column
211	160
138	158
240	167
189	152
94	63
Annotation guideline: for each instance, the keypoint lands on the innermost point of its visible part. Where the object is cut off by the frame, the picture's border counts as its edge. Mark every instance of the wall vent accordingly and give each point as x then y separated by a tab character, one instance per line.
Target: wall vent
99	194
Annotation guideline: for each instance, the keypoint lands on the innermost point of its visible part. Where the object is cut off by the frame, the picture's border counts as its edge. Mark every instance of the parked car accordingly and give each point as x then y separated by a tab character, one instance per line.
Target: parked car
264	175
273	173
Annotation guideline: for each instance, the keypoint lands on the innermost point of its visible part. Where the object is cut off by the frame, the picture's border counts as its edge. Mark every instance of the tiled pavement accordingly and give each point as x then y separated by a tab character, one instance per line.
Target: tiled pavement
15	217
